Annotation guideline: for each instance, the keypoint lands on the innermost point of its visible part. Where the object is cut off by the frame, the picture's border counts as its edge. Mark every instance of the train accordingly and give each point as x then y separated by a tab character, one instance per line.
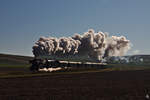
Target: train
45	63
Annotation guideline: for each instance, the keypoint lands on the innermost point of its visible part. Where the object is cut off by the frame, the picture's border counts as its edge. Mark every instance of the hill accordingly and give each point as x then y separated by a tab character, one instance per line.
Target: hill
18	66
7	60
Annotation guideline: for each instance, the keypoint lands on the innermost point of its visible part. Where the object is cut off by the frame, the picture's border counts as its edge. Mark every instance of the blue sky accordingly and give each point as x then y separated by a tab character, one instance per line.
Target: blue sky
22	22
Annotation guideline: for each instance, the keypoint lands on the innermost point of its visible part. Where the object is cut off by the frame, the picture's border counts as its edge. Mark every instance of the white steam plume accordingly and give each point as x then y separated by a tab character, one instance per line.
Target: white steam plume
92	45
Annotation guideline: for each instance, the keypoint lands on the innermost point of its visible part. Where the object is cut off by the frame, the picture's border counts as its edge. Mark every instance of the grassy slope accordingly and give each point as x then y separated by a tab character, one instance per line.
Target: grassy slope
13	60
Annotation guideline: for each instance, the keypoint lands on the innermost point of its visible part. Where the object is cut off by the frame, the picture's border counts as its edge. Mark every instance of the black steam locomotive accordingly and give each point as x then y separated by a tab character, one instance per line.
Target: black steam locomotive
37	64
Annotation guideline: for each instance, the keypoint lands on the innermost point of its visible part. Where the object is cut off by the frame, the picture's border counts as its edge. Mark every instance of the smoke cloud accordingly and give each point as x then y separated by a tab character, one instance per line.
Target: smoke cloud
93	45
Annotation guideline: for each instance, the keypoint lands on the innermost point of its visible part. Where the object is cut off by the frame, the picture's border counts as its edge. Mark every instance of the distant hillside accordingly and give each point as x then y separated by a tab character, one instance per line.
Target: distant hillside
7	60
132	59
145	58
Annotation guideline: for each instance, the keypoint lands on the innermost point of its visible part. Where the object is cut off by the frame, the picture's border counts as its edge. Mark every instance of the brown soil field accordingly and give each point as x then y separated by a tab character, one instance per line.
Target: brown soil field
114	85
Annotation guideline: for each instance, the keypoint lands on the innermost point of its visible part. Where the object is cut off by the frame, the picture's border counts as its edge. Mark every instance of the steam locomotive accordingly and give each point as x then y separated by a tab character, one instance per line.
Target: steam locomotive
45	62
